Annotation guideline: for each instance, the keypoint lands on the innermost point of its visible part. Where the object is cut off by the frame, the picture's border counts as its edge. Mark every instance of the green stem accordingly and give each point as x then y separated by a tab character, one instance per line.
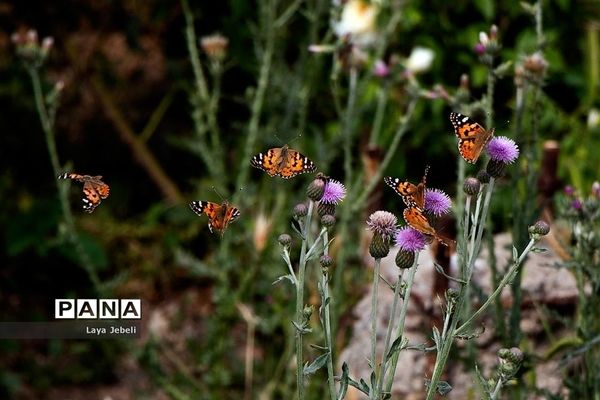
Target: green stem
374	299
327	325
442	356
496	391
400	326
300	302
388	335
48	128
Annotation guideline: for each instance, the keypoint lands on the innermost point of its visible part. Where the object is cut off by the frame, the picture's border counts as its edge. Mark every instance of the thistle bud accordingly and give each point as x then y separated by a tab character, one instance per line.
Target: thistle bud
471	186
285	240
540	228
496	168
215	46
405	259
316	188
324	209
326	261
379	247
483	176
300	210
328	220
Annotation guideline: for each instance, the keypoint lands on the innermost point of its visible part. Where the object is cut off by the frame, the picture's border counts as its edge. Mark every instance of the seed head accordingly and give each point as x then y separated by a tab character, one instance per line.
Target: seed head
471	186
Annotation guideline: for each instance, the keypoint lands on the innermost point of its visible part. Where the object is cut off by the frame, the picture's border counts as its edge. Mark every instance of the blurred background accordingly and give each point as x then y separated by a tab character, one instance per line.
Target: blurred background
164	119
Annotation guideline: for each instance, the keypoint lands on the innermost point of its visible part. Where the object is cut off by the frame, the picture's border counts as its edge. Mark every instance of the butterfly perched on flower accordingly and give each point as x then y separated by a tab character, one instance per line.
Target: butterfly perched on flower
416	219
283	162
94	190
472	137
219	215
411	194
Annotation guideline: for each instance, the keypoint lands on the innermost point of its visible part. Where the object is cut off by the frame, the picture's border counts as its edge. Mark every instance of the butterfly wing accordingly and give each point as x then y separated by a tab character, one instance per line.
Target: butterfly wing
472	137
75	177
415	218
412	195
405	189
295	163
269	162
91	197
219	215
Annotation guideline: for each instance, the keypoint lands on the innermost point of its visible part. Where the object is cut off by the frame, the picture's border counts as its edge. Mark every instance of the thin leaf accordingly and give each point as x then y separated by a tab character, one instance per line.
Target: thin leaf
317	363
398	344
343	382
284	277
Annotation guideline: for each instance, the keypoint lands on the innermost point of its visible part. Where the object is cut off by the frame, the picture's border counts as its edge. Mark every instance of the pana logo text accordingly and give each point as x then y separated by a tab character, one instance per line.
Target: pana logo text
97	309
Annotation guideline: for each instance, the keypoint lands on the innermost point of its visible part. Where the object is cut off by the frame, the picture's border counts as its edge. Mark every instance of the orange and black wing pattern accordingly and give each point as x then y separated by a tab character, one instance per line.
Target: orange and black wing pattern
412	195
472	137
219	215
283	162
417	220
94	189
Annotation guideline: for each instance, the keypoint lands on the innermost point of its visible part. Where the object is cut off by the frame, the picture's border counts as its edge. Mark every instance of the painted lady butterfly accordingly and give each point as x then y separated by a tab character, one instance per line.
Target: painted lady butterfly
283	162
94	190
417	220
412	195
472	137
219	215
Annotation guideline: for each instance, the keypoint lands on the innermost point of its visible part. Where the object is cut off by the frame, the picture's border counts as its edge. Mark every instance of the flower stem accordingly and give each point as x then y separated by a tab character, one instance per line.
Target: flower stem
400	327
349	123
374	299
327	323
300	303
48	128
388	335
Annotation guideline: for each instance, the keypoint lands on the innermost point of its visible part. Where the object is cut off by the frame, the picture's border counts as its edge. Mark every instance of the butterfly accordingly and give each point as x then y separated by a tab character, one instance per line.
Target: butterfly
94	190
219	215
411	194
417	220
283	162
472	137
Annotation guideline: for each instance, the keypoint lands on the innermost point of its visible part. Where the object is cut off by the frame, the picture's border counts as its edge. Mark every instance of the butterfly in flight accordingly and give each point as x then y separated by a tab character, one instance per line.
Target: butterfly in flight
417	220
472	137
94	190
412	195
219	215
283	162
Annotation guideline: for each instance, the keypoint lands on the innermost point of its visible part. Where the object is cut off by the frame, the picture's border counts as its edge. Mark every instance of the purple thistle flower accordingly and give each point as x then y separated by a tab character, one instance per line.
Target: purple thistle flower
437	202
383	223
577	204
479	49
409	239
334	192
503	149
569	191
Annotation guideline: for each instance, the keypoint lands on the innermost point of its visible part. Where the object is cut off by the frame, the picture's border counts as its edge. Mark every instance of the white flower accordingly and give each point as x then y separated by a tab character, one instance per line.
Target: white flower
593	118
358	21
483	38
420	60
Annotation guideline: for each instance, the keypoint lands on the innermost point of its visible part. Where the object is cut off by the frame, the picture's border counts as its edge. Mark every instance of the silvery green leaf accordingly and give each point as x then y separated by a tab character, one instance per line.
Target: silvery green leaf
316	364
283	277
437	338
482	381
515	254
343	382
538	250
398	344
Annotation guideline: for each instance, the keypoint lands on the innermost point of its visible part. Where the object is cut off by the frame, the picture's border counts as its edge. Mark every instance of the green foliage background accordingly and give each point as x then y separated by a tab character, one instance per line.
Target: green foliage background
145	245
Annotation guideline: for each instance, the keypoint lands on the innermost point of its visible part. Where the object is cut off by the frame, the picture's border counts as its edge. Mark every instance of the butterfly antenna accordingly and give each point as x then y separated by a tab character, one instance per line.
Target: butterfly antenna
278	138
218	194
296	138
425	174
